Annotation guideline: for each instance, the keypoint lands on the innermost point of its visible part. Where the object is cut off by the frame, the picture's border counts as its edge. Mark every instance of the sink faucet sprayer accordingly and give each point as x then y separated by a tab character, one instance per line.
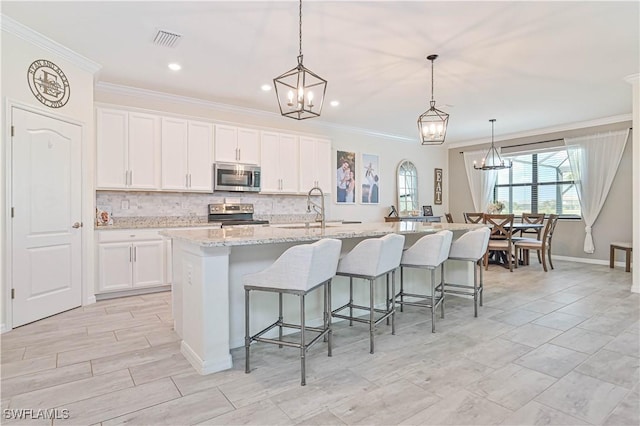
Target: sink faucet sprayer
319	213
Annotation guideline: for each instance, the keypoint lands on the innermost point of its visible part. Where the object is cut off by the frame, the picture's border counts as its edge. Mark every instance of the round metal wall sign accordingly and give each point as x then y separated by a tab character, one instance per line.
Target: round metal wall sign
48	83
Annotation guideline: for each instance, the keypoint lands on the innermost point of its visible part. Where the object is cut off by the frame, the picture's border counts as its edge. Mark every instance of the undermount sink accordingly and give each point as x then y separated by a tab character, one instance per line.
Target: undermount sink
311	225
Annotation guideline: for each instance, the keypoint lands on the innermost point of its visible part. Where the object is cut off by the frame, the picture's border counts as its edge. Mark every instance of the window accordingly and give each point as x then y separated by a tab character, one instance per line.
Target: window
538	183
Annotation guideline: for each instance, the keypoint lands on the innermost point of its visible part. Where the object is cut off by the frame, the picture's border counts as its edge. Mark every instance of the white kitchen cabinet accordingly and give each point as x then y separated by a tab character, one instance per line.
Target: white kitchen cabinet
130	260
187	155
315	164
128	150
279	163
237	145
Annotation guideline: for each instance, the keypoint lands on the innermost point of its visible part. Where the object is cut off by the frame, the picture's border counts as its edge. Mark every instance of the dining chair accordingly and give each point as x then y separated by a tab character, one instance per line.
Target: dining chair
542	246
473	217
500	240
534	218
449	217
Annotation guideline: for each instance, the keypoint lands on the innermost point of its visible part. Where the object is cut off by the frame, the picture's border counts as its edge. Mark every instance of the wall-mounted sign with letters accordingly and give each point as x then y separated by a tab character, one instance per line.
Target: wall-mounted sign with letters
48	83
437	187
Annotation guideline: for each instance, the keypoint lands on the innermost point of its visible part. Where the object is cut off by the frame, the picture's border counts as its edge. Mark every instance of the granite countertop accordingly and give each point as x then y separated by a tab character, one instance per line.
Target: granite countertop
287	233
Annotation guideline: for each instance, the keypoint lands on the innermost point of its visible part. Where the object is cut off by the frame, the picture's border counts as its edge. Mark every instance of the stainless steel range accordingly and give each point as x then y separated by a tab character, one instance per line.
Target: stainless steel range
229	214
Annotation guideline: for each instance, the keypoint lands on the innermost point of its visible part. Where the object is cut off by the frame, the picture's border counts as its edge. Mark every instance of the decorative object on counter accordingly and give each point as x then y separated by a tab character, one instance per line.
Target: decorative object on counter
407	187
437	186
103	216
393	212
346	177
370	179
300	91
495	208
427	211
432	124
492	160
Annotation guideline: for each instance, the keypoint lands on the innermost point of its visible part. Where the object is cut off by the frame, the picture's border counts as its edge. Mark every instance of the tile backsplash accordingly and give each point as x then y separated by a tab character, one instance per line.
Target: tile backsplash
128	205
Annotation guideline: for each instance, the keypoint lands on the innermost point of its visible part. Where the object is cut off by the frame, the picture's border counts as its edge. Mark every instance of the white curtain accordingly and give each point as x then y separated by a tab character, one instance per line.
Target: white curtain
594	161
481	182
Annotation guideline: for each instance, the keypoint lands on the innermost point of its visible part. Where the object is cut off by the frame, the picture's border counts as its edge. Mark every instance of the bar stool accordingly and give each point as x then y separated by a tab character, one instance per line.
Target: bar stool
371	259
470	247
429	252
299	270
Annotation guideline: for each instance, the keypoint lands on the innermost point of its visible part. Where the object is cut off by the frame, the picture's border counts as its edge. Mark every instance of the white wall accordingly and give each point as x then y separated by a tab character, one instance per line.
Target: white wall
20	47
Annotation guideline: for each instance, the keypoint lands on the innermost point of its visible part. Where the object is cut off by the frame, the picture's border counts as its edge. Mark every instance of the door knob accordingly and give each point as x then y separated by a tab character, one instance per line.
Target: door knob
76	225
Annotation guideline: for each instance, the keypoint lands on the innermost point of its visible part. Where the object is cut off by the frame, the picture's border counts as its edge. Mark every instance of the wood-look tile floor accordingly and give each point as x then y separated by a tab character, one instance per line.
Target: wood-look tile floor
560	347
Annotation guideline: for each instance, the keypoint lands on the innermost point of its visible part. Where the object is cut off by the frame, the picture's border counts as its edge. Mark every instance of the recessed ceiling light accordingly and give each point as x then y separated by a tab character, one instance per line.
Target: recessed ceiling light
266	87
175	66
334	103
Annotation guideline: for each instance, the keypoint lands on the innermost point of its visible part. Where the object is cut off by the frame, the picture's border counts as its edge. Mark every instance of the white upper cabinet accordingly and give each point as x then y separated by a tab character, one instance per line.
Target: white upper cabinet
279	163
315	164
128	150
187	155
237	145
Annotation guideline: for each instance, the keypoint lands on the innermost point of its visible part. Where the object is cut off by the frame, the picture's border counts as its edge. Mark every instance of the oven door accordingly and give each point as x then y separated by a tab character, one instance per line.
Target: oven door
236	177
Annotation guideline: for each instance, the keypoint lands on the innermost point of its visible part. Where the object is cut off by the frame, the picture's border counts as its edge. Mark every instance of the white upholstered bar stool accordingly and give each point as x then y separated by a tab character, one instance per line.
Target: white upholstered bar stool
299	270
429	253
470	247
371	259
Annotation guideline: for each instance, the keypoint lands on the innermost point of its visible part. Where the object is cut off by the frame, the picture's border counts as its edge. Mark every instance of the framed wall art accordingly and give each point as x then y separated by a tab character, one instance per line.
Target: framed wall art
437	186
370	179
345	177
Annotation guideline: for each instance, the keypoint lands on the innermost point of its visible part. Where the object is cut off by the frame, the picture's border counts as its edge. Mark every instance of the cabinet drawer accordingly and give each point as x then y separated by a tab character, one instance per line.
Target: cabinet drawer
128	235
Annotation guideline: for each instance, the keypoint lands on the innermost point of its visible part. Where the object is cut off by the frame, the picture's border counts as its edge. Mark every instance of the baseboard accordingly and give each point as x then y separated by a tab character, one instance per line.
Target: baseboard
205	367
134	292
91	300
586	260
3	328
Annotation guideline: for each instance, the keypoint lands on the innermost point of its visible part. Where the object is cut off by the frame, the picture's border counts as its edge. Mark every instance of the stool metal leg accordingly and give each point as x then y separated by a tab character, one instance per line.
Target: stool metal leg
387	301
350	300
433	301
302	346
442	290
371	315
393	302
280	318
481	287
330	333
247	337
475	291
401	289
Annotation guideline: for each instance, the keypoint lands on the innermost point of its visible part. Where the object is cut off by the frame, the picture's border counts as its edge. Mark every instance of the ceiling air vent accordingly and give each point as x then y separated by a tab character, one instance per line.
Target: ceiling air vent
166	38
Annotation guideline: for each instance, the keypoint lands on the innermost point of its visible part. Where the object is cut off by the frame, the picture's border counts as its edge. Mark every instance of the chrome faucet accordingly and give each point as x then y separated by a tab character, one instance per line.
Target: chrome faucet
319	213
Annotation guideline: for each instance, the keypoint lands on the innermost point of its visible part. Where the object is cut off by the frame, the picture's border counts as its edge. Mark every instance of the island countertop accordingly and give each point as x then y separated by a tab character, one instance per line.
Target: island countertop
291	233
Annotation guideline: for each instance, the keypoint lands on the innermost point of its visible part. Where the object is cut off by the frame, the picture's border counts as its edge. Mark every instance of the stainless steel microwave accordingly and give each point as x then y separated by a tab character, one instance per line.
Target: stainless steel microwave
236	177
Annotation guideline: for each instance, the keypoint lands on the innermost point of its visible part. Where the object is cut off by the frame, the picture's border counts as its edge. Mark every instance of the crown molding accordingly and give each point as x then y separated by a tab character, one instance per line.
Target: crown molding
135	92
546	130
14	27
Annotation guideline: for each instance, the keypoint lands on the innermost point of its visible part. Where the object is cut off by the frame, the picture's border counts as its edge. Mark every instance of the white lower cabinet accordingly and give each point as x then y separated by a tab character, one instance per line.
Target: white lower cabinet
129	260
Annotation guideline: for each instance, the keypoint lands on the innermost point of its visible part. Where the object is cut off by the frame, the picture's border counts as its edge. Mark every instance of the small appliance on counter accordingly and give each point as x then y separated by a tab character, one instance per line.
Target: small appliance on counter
236	177
229	214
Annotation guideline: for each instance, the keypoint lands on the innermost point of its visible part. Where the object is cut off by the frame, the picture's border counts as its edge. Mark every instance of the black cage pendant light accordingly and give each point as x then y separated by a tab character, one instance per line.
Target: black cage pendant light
432	124
300	91
492	161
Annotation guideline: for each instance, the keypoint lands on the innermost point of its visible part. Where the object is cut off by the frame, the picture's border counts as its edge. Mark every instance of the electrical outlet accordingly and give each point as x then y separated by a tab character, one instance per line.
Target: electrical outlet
125	205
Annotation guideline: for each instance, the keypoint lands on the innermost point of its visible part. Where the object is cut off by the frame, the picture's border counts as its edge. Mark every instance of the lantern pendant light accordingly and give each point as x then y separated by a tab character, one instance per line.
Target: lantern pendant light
492	161
300	91
432	124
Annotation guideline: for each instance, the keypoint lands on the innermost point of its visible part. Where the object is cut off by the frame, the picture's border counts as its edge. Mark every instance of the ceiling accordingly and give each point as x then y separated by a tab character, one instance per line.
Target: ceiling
530	65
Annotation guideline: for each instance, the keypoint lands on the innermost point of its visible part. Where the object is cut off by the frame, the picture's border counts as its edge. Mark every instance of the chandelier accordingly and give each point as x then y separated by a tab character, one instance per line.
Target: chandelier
492	161
432	124
300	91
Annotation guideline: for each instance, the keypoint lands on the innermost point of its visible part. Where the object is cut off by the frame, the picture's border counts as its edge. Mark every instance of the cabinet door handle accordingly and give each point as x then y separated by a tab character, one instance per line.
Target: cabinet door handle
189	180
239	154
130	177
186	180
130	254
135	254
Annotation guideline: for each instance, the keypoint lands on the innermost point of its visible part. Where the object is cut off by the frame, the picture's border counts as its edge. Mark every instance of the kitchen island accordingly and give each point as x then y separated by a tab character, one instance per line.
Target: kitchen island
208	265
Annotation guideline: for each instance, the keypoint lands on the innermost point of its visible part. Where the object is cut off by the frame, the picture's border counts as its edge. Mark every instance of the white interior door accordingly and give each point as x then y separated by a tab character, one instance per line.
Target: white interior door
46	200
